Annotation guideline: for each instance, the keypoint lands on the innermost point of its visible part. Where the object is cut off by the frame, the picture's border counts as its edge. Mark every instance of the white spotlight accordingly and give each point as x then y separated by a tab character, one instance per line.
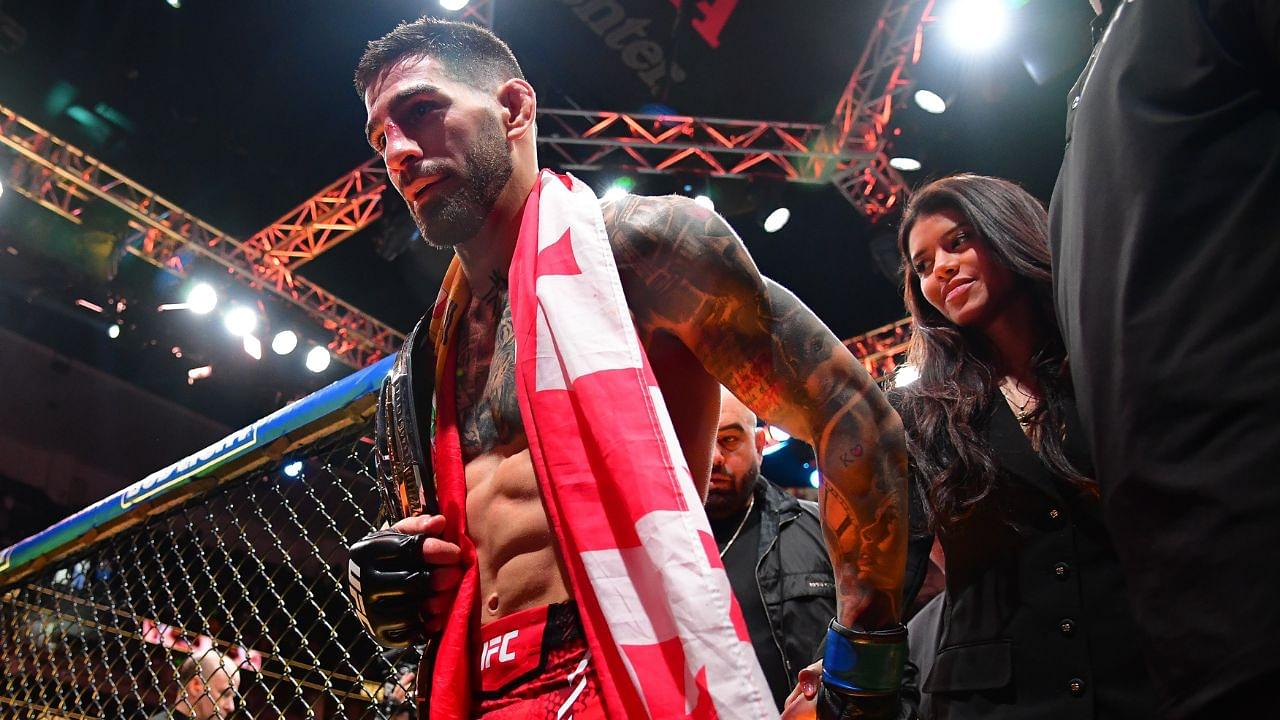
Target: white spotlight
905	164
977	25
284	342
253	346
175	4
113	331
776	220
930	102
202	299
905	375
1	189
815	478
615	192
318	359
705	202
240	321
778	434
293	469
199	373
453	5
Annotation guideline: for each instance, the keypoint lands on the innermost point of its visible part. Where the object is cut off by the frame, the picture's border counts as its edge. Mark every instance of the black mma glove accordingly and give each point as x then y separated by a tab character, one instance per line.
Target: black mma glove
389	581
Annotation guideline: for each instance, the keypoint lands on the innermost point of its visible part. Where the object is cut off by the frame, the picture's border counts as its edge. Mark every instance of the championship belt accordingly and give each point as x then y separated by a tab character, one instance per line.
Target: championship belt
402	456
402	459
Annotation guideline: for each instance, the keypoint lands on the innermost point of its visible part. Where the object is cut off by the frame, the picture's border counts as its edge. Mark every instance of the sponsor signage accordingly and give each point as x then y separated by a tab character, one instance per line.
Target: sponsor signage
228	447
640	47
322	403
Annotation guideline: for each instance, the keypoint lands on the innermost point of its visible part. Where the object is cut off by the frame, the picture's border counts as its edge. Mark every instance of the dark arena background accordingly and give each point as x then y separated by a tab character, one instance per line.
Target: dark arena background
203	274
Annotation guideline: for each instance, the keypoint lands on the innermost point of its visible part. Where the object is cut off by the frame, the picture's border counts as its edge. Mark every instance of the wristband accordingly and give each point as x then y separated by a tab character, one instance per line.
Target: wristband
859	662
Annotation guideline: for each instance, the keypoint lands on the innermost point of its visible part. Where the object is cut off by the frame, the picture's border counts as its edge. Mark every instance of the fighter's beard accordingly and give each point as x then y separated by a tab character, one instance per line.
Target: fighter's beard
457	217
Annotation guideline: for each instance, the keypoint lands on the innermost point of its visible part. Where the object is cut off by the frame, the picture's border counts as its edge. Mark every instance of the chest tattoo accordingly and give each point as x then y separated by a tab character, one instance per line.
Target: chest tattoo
488	412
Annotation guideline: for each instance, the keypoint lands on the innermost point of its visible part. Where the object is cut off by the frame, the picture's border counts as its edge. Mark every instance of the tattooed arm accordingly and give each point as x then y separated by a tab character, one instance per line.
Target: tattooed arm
690	276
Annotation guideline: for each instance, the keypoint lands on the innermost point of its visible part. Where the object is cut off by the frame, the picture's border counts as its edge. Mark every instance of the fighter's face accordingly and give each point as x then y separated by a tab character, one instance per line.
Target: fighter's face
443	145
958	272
735	466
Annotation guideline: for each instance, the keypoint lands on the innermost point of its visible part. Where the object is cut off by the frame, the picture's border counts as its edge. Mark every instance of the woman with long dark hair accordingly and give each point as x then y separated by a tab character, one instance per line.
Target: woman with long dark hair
1035	621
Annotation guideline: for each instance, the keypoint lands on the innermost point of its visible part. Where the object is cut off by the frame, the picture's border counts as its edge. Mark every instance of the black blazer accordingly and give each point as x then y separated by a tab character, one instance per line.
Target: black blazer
1036	622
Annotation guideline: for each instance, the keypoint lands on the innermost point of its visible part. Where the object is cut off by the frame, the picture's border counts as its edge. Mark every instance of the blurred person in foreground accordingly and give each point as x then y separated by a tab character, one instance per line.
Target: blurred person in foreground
1165	229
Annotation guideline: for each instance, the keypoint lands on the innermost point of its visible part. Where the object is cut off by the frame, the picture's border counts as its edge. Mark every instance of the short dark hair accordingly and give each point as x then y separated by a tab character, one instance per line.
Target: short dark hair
470	54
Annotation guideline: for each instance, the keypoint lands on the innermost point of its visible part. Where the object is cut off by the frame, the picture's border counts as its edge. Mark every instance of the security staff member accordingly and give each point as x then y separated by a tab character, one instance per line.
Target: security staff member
1165	231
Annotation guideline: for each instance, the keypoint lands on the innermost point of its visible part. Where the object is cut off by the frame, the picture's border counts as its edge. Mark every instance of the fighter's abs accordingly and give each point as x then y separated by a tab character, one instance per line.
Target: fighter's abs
505	519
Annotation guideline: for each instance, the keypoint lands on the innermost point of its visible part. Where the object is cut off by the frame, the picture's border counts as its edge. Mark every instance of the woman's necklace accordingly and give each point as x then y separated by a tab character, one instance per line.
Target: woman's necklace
740	526
1019	409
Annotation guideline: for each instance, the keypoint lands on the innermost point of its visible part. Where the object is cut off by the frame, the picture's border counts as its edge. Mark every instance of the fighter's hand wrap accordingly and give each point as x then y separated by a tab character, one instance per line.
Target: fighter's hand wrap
389	581
861	673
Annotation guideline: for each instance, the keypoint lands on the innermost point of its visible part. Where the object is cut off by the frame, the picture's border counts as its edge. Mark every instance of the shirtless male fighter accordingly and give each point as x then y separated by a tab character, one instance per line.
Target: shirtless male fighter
452	116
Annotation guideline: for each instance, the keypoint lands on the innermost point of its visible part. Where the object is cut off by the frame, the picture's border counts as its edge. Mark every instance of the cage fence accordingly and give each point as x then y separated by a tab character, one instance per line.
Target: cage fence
245	574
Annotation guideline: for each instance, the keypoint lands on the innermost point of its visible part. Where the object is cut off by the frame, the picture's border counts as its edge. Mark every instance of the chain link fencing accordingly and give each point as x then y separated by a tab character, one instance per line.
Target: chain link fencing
247	575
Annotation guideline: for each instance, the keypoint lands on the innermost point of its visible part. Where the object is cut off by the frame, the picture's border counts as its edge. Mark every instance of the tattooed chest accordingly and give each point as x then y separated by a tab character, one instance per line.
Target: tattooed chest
488	412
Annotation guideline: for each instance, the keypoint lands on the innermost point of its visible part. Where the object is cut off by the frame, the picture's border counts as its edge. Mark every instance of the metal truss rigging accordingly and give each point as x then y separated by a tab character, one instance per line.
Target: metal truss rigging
595	140
850	152
881	350
860	127
62	178
335	213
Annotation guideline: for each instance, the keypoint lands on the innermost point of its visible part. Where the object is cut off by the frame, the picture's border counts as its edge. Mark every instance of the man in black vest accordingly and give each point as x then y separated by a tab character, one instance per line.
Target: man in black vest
771	545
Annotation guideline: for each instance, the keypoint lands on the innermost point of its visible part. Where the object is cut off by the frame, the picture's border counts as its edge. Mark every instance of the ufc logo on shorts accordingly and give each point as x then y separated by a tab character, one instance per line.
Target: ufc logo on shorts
497	646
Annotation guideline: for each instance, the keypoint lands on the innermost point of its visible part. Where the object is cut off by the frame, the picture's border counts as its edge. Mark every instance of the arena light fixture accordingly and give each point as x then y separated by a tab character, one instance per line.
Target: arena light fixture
905	375
113	330
292	469
905	164
777	433
815	478
198	373
175	4
453	5
284	342
252	346
976	25
240	320
318	359
202	299
1	189
776	220
930	102
615	192
705	201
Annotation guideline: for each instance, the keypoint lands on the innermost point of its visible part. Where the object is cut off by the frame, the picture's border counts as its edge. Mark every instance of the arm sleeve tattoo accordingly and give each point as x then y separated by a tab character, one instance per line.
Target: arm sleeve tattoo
694	279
